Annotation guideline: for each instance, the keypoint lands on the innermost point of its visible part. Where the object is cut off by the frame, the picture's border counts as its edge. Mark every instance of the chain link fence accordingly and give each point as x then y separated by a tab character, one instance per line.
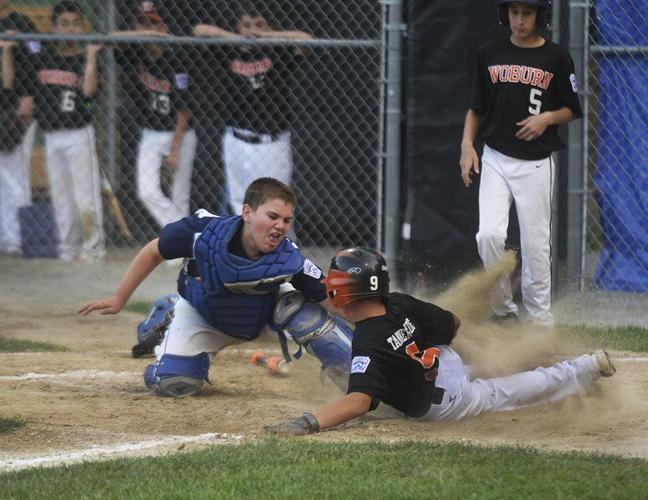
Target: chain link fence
612	38
178	114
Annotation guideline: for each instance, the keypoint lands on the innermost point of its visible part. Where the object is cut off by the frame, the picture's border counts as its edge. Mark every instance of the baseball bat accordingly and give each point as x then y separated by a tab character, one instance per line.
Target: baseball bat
275	364
115	208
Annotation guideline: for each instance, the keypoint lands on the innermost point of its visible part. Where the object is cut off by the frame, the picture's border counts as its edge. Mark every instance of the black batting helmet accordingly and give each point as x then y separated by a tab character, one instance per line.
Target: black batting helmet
357	273
542	17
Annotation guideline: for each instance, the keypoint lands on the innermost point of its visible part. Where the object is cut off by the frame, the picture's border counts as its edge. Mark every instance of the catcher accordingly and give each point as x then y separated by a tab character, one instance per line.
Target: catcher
402	357
229	286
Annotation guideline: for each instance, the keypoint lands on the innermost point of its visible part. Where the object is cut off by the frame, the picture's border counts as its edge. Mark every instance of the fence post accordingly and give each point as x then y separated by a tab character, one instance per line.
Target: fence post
576	184
393	32
111	97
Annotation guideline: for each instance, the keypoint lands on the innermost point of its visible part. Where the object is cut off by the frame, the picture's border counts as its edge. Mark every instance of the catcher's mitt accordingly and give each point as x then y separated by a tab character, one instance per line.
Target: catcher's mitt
151	331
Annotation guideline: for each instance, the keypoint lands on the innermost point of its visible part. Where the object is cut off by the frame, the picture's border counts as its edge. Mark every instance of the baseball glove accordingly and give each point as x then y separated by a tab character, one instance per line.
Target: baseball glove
151	331
306	424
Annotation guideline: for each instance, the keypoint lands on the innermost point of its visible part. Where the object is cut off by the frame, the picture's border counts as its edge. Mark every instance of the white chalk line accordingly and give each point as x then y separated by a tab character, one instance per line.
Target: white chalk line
74	374
115	451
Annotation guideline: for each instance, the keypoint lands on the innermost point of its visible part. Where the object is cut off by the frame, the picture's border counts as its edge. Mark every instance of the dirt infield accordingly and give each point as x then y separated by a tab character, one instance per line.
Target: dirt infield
93	397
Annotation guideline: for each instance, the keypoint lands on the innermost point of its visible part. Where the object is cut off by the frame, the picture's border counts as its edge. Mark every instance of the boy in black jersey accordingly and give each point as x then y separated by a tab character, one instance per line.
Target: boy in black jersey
16	129
402	357
524	87
160	105
257	138
63	84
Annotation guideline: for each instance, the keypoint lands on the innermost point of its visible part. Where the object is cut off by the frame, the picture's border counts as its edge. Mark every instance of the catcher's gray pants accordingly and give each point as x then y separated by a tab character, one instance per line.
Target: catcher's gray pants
15	190
465	398
246	161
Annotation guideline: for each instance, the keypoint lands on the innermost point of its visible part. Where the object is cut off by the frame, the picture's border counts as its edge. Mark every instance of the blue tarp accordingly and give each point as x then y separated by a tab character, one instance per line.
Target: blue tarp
621	178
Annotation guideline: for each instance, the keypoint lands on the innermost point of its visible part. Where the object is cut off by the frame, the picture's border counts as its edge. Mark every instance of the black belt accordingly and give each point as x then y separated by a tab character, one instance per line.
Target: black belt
254	138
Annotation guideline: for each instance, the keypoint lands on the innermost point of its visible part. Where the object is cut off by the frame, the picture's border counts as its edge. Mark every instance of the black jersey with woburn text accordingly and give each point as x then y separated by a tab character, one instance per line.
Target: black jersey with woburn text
57	89
161	87
394	356
512	83
257	91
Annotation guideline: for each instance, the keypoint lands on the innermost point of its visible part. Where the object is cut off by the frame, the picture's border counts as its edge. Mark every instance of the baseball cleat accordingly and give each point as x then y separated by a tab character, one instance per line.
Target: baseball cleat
606	368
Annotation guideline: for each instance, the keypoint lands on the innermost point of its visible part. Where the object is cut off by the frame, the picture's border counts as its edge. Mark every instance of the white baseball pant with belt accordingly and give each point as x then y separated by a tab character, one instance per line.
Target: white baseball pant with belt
529	184
75	190
465	398
261	155
154	146
15	190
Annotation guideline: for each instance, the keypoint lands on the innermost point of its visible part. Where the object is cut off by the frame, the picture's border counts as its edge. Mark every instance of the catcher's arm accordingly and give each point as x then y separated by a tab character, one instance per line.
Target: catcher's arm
351	406
143	264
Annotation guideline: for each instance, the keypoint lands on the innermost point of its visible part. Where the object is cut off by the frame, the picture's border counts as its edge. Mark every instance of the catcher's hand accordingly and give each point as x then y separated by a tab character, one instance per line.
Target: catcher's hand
306	424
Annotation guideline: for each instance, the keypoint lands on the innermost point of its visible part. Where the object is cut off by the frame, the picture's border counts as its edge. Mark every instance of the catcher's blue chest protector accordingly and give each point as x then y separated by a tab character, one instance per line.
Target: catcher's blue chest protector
234	294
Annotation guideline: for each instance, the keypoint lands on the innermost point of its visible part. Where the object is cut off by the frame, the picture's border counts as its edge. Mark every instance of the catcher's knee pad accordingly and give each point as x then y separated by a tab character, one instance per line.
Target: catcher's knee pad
323	335
177	376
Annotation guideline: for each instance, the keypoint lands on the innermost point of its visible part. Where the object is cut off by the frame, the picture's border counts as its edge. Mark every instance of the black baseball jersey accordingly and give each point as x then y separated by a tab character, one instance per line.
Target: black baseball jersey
511	83
11	127
161	87
257	90
56	83
394	356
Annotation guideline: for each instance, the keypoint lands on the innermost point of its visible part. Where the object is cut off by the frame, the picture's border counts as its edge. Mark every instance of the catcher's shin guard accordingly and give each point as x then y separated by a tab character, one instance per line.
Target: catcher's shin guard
177	376
323	335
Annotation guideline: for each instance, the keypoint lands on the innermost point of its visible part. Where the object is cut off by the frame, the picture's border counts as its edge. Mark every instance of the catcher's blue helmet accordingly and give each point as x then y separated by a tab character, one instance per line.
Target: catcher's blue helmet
542	18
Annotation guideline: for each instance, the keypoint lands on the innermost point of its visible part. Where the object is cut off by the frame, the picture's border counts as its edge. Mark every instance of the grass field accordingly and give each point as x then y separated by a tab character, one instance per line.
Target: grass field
19	345
309	468
299	468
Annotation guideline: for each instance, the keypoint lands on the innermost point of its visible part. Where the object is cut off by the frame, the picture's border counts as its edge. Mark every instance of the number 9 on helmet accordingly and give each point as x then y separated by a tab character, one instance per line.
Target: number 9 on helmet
356	273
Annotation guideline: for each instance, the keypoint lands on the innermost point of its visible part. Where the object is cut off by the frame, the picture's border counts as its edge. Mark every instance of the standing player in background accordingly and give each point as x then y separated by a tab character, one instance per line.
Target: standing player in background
524	87
167	145
16	130
256	141
63	85
402	357
229	284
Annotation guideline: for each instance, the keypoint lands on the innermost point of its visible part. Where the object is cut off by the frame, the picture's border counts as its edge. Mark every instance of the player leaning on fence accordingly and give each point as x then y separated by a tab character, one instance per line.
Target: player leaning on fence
63	83
234	269
160	106
16	130
256	99
524	88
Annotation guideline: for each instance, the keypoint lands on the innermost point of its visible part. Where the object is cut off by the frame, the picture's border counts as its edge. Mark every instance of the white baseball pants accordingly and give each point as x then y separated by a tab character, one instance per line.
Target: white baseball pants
244	162
529	184
464	398
154	146
15	190
189	334
75	190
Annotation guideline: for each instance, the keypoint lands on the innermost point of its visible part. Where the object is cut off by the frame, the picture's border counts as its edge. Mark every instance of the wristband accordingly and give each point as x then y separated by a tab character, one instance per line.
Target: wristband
313	424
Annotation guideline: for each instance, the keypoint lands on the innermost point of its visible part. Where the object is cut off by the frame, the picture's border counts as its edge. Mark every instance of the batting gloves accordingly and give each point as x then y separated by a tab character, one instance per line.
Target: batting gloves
306	424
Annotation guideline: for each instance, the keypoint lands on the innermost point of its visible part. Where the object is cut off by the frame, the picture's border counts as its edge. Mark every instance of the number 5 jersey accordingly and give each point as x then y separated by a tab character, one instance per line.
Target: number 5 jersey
512	83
